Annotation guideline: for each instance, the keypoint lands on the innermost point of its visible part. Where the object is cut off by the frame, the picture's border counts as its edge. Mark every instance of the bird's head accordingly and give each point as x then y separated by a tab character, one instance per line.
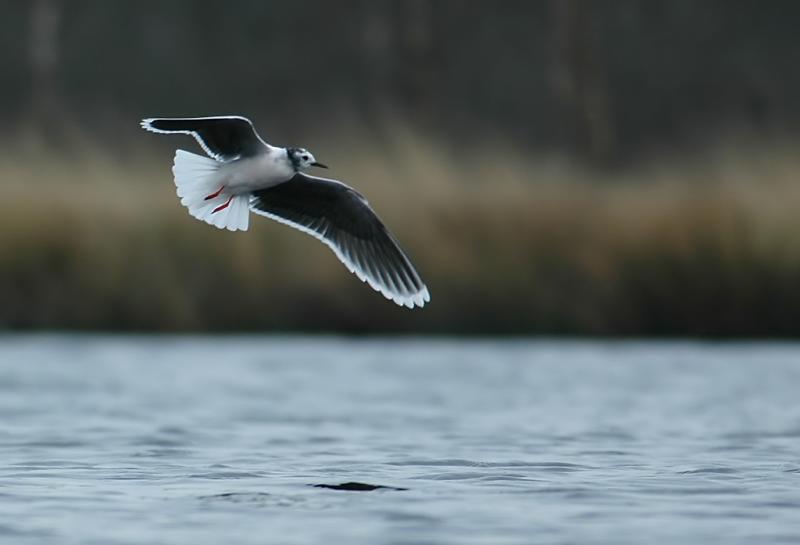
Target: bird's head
302	159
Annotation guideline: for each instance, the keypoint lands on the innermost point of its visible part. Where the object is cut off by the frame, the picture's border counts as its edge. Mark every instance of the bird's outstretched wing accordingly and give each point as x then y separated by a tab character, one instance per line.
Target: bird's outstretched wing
224	137
341	218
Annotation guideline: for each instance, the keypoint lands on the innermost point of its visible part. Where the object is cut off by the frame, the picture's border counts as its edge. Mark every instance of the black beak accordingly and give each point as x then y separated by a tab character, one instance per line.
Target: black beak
320	165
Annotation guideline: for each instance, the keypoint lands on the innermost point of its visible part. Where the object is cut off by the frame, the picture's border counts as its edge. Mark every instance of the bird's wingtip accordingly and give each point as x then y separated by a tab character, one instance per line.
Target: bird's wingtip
419	299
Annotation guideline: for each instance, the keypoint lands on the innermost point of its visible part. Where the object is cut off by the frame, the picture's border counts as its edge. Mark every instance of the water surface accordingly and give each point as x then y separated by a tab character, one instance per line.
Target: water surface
208	440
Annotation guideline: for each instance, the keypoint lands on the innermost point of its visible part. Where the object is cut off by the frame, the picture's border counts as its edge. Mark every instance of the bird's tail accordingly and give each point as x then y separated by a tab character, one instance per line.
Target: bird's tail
202	191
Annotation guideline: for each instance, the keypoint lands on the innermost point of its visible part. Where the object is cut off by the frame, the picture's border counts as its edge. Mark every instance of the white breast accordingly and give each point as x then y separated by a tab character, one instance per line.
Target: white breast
253	173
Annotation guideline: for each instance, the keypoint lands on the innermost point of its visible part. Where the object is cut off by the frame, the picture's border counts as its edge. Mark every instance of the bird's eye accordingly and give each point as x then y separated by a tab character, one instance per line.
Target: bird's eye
305	157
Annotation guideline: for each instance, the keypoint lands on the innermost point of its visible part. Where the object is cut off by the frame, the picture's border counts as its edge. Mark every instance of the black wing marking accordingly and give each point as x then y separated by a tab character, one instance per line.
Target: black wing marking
341	218
224	138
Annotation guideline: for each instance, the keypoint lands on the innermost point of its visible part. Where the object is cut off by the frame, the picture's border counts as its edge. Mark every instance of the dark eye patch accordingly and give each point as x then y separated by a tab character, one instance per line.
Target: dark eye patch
305	157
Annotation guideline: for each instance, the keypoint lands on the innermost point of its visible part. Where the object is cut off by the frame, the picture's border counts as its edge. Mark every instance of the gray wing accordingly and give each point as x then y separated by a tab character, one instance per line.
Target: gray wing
224	137
341	218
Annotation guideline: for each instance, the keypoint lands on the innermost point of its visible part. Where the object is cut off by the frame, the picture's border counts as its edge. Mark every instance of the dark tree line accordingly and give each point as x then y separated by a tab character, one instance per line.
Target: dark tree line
598	78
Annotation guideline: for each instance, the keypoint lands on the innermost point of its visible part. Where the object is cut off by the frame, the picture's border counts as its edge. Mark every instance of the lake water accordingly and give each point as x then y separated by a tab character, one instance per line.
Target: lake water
204	440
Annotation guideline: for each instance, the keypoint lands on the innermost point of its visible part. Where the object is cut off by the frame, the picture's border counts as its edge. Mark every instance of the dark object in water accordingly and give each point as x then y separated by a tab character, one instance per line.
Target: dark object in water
357	487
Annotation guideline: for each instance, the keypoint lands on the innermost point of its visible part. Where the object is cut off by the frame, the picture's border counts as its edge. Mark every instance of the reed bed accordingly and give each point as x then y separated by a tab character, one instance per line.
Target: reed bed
702	244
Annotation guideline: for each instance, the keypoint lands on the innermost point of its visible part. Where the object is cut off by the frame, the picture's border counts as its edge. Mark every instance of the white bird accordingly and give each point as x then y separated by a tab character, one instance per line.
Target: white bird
245	174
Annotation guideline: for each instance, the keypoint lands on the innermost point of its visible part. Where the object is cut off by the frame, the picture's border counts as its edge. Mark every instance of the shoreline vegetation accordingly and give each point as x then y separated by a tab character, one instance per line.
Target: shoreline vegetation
705	243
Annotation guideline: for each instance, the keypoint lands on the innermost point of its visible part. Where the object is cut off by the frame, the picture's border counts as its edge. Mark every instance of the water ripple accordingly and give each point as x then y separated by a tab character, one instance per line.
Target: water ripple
173	440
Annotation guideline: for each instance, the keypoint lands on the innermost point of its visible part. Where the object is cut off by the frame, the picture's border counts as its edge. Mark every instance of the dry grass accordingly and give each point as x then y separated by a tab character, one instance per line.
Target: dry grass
704	244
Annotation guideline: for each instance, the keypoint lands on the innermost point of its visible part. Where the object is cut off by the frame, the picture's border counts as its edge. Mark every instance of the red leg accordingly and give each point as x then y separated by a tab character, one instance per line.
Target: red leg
223	206
215	194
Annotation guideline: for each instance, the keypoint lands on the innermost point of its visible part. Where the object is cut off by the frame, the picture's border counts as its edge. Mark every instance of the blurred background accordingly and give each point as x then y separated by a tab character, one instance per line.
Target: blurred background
554	167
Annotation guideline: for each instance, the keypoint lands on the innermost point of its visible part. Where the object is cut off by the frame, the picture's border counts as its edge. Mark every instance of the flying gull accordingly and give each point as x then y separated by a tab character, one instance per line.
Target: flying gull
243	174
